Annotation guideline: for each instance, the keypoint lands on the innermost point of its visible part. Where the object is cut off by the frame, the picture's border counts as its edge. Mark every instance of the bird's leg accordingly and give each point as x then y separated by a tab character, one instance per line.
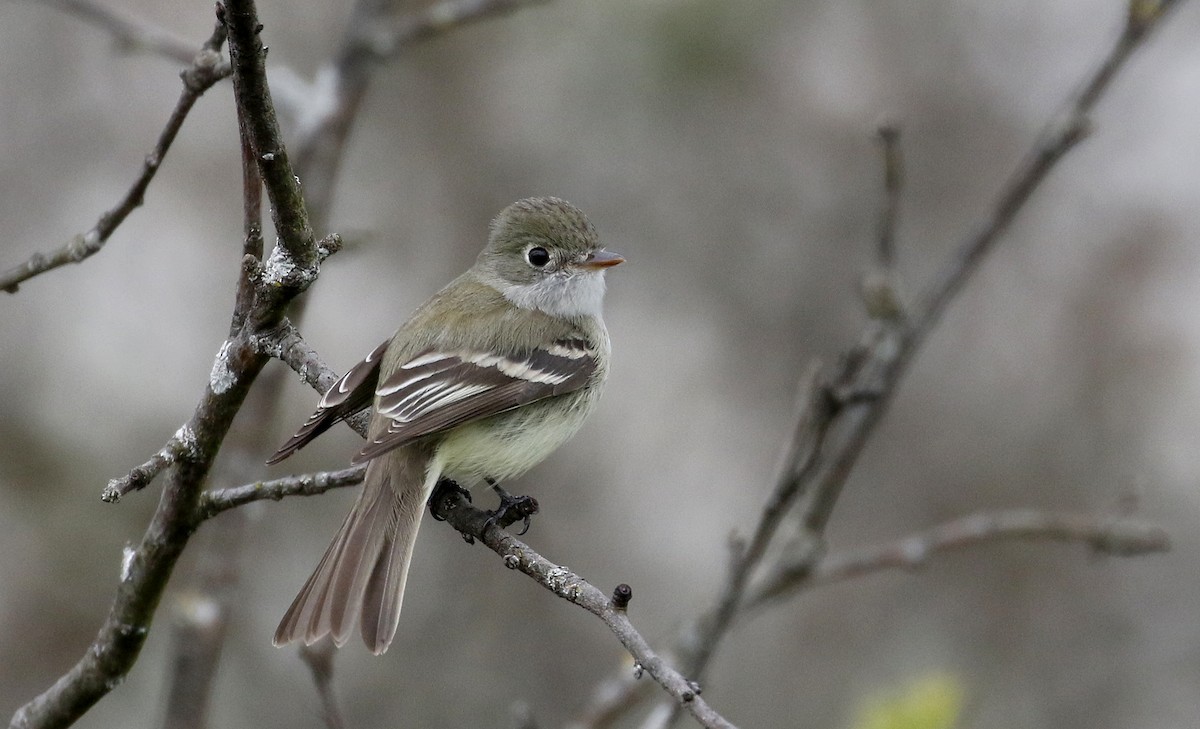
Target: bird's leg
441	490
444	488
511	508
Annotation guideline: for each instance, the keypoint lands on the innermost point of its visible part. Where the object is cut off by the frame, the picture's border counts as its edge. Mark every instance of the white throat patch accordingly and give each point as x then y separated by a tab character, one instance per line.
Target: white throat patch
581	294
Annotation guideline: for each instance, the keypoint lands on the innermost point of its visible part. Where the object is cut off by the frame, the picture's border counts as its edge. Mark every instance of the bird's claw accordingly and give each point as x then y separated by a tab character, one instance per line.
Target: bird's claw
511	510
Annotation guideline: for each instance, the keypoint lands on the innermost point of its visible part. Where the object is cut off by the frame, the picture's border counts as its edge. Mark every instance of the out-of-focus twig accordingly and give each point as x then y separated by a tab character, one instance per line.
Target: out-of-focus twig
200	616
131	34
438	19
1114	536
319	659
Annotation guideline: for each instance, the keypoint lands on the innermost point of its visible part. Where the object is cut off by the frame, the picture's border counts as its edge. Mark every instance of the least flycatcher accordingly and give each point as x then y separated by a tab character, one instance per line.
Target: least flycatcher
488	377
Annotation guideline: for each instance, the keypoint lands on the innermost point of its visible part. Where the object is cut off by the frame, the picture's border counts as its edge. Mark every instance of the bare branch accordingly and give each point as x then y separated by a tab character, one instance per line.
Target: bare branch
1119	537
285	344
295	261
438	19
182	442
146	569
308	484
893	183
880	286
131	34
207	69
888	350
453	507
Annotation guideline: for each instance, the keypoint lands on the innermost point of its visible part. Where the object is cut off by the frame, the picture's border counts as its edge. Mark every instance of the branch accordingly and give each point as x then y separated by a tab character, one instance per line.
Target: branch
206	69
453	507
308	484
438	19
182	442
146	569
130	33
845	407
286	345
1114	536
887	351
295	260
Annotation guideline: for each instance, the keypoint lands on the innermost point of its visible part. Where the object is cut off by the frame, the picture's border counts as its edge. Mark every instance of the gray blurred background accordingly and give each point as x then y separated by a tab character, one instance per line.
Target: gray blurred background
726	150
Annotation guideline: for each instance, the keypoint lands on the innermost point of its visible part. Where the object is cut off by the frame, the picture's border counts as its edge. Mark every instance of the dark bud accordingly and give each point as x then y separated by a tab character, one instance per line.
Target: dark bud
258	29
221	12
621	596
694	686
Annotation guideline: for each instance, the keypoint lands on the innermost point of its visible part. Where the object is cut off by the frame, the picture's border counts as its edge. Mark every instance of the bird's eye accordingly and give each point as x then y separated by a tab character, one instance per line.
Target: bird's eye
538	256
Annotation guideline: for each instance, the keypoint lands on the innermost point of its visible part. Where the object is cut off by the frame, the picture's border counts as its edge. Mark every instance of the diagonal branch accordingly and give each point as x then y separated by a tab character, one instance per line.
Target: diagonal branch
453	507
207	69
146	568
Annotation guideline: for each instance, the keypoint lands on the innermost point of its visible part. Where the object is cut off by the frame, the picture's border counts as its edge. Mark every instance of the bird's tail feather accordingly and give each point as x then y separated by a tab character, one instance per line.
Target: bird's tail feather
364	570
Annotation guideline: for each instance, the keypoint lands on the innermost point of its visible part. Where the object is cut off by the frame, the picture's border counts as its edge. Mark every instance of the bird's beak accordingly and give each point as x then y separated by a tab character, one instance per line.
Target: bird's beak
602	259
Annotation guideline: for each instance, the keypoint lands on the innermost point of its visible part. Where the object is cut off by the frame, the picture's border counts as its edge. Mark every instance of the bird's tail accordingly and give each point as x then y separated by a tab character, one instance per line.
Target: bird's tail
365	567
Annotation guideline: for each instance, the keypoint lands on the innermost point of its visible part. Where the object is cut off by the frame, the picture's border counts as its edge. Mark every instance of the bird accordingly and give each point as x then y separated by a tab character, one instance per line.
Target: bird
486	378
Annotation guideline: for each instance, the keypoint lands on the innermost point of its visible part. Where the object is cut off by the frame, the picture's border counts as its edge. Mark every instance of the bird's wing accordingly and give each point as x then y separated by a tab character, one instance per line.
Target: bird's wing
351	393
438	390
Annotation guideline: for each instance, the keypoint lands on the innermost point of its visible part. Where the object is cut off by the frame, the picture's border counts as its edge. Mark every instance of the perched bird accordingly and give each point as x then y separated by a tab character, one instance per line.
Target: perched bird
485	379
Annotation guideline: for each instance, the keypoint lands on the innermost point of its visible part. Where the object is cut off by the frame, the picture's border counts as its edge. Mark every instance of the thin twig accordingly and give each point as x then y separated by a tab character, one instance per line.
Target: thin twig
131	34
438	19
476	523
893	181
306	484
183	440
207	69
1114	536
880	285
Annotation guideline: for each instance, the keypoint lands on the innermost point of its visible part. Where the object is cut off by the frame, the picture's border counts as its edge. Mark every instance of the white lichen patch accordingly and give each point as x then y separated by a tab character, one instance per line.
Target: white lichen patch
562	581
222	377
127	555
185	440
279	266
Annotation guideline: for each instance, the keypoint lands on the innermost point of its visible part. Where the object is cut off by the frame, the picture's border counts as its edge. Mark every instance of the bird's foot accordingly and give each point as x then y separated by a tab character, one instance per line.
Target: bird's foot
445	487
511	509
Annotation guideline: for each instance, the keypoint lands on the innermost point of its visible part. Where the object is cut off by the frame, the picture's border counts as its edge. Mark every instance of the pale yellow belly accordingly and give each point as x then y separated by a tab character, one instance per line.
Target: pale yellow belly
507	445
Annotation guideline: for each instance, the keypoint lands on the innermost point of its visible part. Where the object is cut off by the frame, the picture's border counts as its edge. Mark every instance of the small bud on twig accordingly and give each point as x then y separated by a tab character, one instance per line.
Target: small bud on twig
621	596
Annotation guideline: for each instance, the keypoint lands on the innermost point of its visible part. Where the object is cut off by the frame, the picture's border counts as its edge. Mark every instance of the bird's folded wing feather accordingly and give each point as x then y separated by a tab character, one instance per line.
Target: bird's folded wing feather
351	393
438	390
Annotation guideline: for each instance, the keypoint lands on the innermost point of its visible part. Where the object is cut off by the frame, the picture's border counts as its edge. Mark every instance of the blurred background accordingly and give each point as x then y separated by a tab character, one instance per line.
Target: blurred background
727	150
